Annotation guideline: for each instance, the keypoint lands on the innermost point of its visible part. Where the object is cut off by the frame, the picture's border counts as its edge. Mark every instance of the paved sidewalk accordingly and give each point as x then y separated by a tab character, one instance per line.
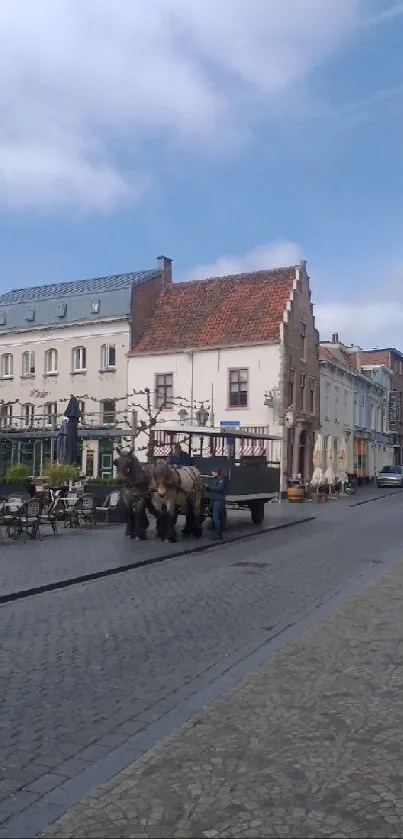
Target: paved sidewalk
309	745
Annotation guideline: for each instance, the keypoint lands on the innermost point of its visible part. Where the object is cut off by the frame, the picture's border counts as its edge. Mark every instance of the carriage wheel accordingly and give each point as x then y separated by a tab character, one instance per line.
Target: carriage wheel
257	511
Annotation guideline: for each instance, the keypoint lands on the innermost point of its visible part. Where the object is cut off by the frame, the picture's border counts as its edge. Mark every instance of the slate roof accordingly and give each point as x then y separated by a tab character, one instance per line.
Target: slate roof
220	311
112	292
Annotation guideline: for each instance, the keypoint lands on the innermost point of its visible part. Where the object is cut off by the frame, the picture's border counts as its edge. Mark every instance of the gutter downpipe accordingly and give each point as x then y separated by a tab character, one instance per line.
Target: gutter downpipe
281	409
191	386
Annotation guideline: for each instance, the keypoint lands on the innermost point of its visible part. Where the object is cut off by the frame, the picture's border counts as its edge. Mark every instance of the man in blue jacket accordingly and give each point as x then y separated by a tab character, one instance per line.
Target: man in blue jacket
178	457
217	491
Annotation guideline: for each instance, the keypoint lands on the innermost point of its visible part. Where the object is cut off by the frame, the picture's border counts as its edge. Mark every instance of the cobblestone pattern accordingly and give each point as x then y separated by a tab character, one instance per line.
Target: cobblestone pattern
24	565
28	564
310	745
77	664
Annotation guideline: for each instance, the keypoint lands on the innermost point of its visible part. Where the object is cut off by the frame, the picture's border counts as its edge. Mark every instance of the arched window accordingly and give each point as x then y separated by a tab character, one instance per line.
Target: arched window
108	357
78	360
28	363
51	362
28	415
7	365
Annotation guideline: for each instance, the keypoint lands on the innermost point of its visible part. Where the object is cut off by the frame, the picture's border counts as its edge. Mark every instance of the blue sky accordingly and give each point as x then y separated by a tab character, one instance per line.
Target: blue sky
230	136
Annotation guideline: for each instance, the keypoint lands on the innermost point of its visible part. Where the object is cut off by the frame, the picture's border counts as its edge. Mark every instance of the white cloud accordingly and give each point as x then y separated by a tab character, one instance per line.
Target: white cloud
273	255
368	324
385	14
86	84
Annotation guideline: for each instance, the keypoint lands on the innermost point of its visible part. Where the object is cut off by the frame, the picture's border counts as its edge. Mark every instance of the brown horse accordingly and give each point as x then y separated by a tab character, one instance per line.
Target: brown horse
179	488
137	482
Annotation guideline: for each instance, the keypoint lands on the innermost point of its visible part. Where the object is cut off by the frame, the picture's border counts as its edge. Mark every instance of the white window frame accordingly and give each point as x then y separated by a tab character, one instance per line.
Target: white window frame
50	418
327	395
81	406
7	365
103	412
163	400
28	414
6	415
28	363
240	372
79	359
356	413
105	357
51	355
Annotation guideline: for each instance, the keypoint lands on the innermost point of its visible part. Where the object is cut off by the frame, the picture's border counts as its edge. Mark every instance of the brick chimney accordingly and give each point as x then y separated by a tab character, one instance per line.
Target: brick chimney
145	296
165	266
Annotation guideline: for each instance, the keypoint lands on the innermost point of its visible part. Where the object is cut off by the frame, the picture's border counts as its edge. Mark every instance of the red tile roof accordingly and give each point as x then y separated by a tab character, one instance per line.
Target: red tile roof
337	354
221	311
325	353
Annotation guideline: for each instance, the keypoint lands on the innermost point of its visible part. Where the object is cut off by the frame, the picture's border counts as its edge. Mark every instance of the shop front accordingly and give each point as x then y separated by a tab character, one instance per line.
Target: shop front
361	446
38	448
382	452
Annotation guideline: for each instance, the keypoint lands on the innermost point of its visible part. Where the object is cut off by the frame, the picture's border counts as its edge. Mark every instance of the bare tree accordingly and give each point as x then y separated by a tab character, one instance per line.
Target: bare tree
151	410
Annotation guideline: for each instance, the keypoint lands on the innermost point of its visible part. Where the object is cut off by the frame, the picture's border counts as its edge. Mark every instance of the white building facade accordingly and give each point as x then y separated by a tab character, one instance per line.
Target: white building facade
69	339
337	389
231	383
354	405
245	347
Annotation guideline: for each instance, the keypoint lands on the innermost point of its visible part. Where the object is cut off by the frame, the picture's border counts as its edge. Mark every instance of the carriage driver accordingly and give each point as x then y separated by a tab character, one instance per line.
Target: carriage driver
178	457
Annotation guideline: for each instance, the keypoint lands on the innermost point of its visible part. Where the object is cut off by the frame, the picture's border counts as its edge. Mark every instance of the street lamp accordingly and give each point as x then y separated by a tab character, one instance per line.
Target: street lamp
272	400
202	415
183	415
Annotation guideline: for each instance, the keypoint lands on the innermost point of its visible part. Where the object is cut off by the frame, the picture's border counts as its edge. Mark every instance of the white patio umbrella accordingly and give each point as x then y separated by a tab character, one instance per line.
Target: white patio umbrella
329	474
342	461
318	453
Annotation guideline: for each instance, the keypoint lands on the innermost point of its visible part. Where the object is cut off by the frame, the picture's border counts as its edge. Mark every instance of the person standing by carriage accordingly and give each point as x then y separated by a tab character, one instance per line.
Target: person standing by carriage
217	490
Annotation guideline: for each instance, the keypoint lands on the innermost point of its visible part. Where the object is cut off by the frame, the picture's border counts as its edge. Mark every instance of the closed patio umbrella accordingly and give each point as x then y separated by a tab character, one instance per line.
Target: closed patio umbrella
61	442
318	452
72	413
329	474
342	461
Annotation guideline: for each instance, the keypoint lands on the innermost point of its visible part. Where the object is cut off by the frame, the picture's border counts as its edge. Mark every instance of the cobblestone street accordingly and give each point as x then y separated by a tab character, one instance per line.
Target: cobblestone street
309	745
95	675
26	564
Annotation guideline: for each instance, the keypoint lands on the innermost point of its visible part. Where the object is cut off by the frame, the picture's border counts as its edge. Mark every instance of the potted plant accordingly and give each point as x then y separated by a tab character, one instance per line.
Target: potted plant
59	474
17	474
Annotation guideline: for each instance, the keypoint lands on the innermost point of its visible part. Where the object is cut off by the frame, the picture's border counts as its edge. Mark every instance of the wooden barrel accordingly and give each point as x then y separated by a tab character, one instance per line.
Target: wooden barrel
295	494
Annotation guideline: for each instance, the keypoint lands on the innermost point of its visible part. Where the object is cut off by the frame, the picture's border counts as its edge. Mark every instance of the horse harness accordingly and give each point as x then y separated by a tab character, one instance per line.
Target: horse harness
177	477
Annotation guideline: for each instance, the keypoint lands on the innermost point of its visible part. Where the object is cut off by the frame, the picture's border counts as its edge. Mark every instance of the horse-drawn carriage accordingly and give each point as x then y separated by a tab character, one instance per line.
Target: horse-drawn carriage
250	462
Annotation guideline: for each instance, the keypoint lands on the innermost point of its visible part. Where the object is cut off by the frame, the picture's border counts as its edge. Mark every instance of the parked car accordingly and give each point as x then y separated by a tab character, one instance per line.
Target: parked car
390	476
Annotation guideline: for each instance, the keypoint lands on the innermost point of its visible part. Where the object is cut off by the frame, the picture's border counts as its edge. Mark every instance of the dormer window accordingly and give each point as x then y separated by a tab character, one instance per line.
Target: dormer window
62	310
96	305
30	316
